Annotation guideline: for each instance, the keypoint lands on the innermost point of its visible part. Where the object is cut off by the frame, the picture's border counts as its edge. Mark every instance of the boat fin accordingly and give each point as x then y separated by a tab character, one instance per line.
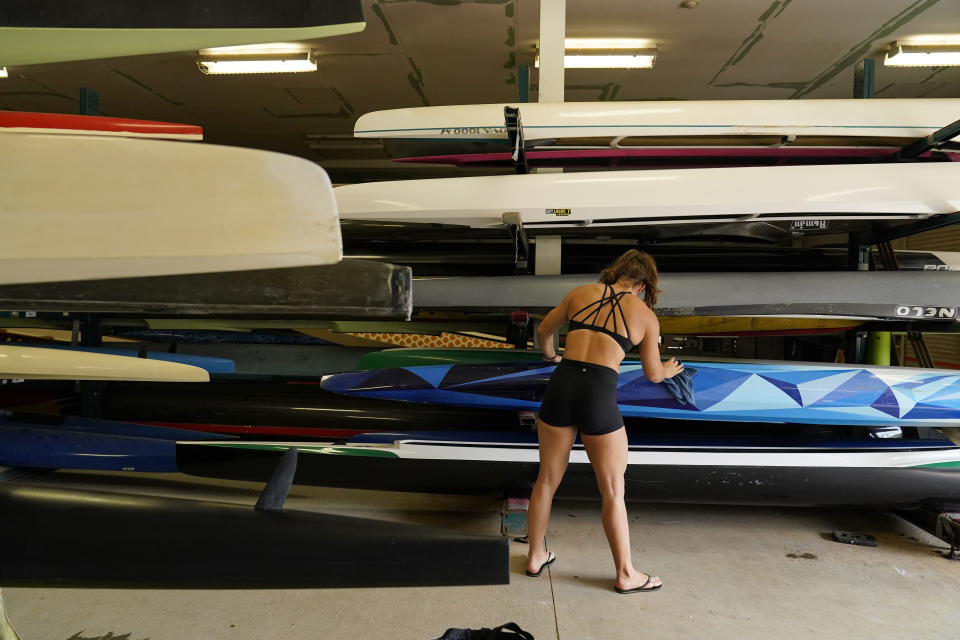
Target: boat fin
275	493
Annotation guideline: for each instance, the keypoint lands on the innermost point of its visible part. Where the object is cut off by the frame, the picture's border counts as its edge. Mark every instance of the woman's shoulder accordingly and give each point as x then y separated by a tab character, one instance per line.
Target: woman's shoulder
581	296
639	307
585	289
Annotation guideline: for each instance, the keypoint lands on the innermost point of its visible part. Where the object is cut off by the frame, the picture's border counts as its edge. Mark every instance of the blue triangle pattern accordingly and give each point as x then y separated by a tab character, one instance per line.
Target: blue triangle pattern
930	412
911	384
799	377
887	402
864	399
864	385
626	377
528	385
789	388
434	375
710	377
719	389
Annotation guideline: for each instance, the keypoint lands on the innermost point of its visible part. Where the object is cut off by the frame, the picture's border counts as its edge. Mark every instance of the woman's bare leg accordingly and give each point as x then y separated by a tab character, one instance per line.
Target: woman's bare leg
555	445
608	455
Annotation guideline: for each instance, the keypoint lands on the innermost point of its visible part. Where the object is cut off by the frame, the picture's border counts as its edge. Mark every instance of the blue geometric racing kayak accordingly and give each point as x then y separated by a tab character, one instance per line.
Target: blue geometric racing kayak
812	393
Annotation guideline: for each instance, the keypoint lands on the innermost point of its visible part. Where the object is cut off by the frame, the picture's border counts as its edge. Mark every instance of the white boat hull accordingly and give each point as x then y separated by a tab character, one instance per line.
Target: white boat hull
79	208
834	118
716	195
36	363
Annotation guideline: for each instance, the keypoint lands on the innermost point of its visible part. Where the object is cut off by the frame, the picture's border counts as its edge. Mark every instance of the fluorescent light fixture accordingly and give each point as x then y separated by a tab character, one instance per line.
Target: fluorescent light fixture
923	54
276	57
3	72
608	43
609	61
607	53
283	65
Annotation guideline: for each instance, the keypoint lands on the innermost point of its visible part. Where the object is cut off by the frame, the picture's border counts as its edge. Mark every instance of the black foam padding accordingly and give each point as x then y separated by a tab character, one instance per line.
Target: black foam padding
55	537
346	290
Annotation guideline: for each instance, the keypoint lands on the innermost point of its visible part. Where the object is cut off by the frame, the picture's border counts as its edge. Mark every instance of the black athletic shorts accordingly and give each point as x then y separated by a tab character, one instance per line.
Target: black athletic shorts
583	395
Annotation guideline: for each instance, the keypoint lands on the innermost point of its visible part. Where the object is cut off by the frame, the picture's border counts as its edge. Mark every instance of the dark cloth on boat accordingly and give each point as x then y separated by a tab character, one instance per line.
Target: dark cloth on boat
680	386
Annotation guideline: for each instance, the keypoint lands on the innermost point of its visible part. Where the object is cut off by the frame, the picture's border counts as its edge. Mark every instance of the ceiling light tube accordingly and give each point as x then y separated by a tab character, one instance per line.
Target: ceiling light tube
906	54
608	43
595	59
271	58
607	53
588	59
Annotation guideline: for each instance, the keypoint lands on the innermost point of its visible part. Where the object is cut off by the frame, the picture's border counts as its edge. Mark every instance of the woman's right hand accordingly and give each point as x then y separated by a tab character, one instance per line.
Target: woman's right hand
671	368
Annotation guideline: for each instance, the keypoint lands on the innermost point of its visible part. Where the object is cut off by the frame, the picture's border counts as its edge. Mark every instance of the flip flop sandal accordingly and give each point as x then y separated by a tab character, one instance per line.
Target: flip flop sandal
550	560
641	588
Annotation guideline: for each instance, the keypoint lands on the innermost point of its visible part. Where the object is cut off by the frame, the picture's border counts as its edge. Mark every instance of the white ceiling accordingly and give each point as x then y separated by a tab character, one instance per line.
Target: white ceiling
437	52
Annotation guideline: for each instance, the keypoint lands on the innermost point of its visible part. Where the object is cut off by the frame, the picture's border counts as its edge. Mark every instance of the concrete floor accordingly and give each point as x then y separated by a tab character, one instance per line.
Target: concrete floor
729	572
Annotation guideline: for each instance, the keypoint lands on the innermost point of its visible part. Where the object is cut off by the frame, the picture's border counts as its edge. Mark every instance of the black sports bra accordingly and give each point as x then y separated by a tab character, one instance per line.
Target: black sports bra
613	299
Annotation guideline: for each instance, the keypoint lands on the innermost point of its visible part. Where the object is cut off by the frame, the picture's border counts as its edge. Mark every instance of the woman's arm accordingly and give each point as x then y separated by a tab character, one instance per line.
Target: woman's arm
550	324
653	368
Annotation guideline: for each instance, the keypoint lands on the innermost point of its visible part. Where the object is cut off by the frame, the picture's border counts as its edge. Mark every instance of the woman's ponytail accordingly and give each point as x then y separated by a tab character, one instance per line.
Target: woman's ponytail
636	267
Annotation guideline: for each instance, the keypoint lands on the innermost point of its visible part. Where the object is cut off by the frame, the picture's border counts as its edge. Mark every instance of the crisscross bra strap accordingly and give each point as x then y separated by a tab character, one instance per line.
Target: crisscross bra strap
590	320
596	312
615	303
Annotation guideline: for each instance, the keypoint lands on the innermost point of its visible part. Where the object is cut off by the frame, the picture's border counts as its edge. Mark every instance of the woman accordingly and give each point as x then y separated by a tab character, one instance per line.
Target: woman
606	320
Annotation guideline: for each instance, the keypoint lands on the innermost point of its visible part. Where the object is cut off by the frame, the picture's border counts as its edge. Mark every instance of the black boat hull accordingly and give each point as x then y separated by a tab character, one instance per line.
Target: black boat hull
70	538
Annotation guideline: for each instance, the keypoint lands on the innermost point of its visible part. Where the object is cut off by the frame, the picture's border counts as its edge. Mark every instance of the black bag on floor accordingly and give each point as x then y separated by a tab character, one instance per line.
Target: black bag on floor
508	631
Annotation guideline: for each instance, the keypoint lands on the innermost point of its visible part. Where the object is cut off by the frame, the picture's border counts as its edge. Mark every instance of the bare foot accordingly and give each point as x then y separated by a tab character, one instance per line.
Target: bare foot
636	582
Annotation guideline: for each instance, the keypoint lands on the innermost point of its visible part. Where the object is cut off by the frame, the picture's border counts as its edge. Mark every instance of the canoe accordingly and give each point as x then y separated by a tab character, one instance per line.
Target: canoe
846	122
818	195
663	157
95	426
879	295
785	392
259	409
321	292
54	442
38	363
142	207
36	335
800	470
496	340
495	257
64	124
37	447
42	31
209	363
414	357
211	336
